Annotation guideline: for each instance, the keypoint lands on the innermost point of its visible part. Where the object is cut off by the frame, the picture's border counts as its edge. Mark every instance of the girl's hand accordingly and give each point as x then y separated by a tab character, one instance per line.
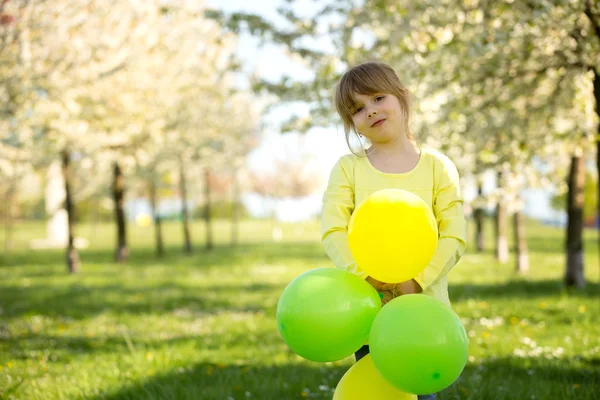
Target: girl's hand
393	290
387	294
399	289
374	282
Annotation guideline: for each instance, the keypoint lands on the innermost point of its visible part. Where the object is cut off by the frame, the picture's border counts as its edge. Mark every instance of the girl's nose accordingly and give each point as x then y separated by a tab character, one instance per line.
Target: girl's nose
372	113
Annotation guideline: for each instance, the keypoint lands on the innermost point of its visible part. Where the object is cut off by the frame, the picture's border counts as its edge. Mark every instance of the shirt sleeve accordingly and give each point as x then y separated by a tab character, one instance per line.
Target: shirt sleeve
452	225
338	205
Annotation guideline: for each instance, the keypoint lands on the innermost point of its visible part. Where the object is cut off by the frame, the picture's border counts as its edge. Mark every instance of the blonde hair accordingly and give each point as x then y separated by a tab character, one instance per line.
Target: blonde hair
370	78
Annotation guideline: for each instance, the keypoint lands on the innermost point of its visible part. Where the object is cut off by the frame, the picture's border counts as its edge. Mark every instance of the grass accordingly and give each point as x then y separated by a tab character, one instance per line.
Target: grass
203	326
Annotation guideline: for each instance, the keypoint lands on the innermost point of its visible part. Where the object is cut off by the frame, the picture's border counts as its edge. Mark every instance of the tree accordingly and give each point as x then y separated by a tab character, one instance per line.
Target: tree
574	243
506	68
590	201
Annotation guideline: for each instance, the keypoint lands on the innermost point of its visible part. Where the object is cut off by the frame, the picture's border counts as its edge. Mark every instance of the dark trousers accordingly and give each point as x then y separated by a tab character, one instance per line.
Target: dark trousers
363	351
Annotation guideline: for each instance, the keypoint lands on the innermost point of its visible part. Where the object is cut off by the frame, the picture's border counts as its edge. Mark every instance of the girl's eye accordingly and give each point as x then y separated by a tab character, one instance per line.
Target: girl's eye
357	110
379	98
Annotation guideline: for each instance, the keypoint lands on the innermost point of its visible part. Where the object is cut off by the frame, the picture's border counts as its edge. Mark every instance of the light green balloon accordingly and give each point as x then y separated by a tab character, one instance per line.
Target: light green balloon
418	344
326	314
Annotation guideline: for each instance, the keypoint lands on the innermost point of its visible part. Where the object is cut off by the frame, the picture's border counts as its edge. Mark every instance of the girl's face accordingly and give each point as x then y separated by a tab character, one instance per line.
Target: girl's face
378	117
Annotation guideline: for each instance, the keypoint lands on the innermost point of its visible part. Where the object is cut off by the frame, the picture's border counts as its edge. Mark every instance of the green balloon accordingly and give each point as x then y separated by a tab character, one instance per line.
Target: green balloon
325	314
418	344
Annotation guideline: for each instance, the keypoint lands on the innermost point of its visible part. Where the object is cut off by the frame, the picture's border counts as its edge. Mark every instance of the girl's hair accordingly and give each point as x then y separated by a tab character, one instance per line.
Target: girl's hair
370	78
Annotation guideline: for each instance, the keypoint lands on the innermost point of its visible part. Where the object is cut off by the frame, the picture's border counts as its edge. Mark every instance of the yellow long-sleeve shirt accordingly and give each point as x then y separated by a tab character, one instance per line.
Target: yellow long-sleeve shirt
434	179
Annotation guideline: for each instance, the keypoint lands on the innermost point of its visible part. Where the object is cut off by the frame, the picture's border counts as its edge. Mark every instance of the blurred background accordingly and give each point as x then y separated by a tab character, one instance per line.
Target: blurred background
162	165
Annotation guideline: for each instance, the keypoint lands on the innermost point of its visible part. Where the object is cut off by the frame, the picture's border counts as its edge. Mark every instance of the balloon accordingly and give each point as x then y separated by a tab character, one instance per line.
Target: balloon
362	381
326	314
392	235
418	344
143	220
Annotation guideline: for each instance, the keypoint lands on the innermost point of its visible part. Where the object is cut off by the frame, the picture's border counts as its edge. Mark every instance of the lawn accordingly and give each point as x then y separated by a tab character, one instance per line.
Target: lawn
203	326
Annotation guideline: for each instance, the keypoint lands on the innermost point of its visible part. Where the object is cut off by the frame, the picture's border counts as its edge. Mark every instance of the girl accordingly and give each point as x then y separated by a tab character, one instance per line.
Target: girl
374	104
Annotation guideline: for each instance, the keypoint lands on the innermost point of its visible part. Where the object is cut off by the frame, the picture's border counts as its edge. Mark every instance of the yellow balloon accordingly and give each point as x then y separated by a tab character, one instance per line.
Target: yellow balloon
362	381
143	220
393	235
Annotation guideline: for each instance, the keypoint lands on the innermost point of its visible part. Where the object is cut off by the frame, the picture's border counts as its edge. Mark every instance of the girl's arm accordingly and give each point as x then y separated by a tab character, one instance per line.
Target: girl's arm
452	225
338	205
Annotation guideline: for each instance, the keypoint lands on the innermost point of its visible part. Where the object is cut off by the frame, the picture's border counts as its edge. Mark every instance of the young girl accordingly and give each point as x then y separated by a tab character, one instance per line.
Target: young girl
374	104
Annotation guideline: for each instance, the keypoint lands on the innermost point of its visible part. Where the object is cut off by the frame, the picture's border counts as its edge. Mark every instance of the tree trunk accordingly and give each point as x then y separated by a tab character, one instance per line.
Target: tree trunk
521	253
479	215
235	210
8	221
501	242
184	209
597	97
73	264
574	243
119	198
207	216
160	250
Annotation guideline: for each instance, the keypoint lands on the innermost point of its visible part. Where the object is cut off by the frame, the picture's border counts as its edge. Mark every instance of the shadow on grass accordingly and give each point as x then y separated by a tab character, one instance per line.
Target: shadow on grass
520	289
79	297
78	301
499	379
219	255
65	348
523	378
213	381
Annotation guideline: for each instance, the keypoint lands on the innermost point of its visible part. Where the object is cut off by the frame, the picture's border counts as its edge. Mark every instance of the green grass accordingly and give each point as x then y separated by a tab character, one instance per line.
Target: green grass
203	326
